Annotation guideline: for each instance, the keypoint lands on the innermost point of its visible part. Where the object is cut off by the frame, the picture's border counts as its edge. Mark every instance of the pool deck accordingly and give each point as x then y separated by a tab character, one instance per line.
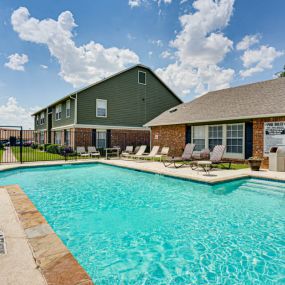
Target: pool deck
215	176
43	258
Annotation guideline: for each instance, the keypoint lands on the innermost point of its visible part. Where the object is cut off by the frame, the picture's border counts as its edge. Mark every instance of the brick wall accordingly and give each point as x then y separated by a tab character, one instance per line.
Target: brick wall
82	137
258	137
123	138
172	136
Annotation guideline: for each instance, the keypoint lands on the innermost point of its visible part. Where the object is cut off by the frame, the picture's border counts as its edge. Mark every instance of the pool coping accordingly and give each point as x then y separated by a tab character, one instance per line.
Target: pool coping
236	174
53	259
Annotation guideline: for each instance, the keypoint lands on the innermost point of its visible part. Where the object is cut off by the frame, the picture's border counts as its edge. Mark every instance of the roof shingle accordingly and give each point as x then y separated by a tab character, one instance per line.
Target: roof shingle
261	99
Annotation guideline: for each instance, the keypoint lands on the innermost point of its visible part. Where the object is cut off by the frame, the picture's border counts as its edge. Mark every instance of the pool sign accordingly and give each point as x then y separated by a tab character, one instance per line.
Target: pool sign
274	135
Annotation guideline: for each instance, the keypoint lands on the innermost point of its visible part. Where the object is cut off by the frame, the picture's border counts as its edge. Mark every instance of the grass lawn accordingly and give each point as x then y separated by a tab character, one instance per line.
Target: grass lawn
1	154
30	154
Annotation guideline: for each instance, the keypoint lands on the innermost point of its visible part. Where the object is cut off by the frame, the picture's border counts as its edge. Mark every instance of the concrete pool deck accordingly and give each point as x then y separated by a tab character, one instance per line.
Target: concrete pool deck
35	255
215	176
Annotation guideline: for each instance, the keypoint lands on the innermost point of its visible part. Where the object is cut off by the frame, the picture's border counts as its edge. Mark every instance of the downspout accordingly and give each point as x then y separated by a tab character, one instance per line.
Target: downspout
75	117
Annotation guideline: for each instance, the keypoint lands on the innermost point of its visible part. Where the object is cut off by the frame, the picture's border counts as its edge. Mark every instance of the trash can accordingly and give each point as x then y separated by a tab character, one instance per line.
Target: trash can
277	158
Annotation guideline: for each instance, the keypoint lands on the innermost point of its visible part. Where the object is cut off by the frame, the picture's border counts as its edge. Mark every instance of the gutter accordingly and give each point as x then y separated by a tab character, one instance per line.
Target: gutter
75	107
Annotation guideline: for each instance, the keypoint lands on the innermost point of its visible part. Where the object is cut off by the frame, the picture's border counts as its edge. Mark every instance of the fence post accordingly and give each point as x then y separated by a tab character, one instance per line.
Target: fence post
21	145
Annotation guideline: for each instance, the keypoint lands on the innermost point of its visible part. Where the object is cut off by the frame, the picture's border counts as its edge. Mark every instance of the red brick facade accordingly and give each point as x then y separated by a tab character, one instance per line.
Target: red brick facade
123	138
172	136
258	137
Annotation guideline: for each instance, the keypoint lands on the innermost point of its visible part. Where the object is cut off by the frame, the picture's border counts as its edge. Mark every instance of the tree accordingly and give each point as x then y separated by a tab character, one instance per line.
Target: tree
281	73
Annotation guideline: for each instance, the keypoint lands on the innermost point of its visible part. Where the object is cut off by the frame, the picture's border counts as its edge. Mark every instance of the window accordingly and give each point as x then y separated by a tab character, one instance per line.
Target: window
215	136
67	137
101	108
42	118
235	138
58	112
57	139
101	139
67	108
142	77
42	137
37	120
199	137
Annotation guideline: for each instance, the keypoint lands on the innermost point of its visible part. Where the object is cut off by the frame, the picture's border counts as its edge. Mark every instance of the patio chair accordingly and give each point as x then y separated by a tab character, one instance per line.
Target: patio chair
92	151
163	153
216	158
186	157
139	153
128	151
80	150
151	155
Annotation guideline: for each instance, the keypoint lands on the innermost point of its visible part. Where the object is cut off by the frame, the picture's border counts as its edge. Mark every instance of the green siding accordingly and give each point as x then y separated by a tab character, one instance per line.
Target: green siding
64	121
39	126
129	103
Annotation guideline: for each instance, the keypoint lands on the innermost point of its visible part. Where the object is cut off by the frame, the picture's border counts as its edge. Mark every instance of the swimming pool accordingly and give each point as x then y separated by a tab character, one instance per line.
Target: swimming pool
130	227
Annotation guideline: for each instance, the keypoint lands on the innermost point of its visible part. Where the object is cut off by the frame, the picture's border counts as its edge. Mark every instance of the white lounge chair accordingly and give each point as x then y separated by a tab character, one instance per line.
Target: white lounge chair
139	153
80	150
92	151
151	155
163	153
129	150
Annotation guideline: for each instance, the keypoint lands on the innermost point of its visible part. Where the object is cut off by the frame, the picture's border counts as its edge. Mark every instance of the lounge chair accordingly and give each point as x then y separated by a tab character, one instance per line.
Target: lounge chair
163	153
80	150
128	151
183	160
92	151
151	155
216	157
139	153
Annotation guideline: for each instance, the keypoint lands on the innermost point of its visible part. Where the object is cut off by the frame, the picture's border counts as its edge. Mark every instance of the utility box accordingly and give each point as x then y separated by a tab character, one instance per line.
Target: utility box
277	158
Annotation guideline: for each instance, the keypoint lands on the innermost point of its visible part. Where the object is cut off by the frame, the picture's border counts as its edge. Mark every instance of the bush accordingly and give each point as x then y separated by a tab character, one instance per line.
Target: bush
41	147
64	150
46	145
53	148
1	146
34	146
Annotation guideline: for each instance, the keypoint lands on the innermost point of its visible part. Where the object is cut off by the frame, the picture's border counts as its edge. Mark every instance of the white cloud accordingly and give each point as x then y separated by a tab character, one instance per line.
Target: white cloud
166	54
248	41
258	60
12	114
135	3
138	3
44	66
78	64
158	43
17	61
150	53
200	47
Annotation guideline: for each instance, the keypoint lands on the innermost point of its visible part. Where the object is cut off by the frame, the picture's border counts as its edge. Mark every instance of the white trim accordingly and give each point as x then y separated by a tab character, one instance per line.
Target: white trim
140	71
56	112
101	127
101	100
67	101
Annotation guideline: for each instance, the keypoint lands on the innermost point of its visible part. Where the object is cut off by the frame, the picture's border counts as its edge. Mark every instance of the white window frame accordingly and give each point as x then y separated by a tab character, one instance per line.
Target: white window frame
42	137
237	138
221	138
42	118
60	137
106	102
102	132
205	138
140	71
58	110
67	114
37	120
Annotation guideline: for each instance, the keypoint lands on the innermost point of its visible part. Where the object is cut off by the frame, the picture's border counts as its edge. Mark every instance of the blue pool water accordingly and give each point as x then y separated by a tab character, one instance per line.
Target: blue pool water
129	227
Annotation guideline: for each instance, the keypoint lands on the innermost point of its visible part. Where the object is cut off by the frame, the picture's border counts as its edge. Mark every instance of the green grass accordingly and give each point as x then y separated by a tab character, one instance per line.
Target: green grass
1	154
30	154
234	166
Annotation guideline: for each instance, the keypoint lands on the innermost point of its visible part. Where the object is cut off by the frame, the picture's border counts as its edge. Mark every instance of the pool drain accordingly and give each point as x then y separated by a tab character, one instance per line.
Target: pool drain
2	243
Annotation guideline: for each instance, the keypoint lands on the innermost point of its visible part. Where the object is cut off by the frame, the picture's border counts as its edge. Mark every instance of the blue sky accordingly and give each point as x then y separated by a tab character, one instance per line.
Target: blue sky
50	48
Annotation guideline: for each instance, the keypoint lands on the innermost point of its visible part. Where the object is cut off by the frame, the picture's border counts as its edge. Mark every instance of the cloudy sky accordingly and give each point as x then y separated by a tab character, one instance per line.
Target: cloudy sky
49	48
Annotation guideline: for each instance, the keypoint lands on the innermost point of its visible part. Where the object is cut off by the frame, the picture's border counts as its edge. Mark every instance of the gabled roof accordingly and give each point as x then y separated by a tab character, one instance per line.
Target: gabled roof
257	100
105	79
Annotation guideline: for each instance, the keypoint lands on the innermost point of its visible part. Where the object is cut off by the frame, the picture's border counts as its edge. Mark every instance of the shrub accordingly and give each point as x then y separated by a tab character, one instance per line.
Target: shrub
46	145
34	146
53	148
1	146
41	147
64	150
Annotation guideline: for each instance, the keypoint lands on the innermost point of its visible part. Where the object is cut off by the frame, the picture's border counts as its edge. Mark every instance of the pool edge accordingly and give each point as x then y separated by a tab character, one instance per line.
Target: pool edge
52	257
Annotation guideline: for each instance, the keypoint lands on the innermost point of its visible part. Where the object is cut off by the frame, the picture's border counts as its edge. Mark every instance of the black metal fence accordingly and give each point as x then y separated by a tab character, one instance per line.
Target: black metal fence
17	145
